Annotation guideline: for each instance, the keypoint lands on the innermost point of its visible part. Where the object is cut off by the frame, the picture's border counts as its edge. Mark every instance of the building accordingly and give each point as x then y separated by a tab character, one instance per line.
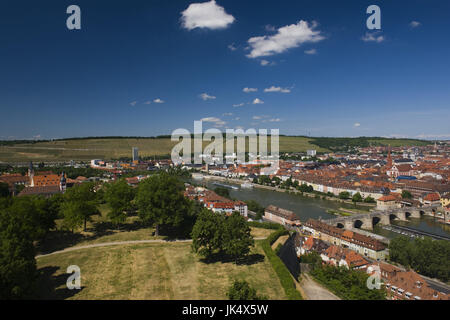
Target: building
387	202
405	285
135	154
281	216
364	245
311	153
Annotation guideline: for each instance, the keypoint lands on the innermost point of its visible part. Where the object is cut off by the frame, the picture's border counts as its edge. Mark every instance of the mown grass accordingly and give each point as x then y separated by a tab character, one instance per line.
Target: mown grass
152	271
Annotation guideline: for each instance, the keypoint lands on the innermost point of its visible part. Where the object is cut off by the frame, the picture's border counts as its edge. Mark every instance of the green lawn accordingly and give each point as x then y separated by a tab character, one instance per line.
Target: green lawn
152	271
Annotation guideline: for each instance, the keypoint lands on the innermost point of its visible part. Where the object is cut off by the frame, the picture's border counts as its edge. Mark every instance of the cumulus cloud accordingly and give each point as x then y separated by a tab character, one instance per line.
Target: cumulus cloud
275	120
277	89
357	125
205	96
248	90
372	37
133	103
158	100
264	62
258	101
238	105
216	121
311	51
208	15
290	36
415	24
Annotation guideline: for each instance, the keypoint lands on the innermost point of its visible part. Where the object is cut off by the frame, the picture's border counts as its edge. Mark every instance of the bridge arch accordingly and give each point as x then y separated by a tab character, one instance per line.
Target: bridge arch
340	225
392	216
358	224
376	220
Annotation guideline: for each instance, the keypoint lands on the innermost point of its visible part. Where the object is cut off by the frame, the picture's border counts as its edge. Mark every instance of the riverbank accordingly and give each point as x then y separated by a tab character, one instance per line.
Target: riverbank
305	194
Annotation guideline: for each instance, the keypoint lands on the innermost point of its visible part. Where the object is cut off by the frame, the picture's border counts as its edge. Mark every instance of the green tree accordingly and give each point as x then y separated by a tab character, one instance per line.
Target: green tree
161	202
241	290
118	196
344	195
207	233
237	237
80	203
255	207
4	190
406	194
369	199
357	197
17	263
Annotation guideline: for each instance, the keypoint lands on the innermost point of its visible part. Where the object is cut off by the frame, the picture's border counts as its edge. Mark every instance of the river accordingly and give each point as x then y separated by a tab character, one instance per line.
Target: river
306	208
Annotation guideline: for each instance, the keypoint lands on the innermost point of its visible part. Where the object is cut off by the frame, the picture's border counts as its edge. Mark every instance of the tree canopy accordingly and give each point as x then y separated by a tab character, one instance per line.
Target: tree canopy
161	202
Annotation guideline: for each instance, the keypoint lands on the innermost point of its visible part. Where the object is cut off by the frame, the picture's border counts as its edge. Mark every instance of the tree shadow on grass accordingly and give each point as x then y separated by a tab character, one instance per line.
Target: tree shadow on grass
248	260
51	286
61	239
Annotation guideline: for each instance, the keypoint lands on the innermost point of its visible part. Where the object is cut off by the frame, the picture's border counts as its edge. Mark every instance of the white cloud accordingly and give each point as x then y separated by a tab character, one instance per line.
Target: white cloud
238	105
275	120
158	100
232	47
217	122
415	24
264	62
287	37
205	96
248	90
133	103
147	102
207	15
256	117
357	124
258	101
369	37
270	28
227	114
311	51
277	89
237	119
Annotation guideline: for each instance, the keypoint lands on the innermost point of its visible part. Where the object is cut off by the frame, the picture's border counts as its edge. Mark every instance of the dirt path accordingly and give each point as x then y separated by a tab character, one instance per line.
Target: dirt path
118	243
311	290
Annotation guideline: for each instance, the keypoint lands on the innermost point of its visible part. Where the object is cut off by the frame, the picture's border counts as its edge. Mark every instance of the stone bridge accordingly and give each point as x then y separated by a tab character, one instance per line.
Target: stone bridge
368	220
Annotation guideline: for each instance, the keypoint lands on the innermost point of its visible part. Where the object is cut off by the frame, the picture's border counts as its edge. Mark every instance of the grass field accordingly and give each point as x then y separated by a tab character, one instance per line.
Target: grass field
115	148
153	271
87	149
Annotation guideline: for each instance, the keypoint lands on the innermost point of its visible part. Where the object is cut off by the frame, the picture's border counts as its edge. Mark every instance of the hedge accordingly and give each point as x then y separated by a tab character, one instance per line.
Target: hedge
282	272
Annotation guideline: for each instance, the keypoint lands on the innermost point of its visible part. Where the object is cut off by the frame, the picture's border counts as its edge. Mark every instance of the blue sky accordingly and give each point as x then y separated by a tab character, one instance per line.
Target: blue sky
145	68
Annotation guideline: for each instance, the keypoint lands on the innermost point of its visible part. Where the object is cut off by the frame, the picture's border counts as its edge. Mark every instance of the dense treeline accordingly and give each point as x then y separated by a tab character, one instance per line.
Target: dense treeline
22	222
425	256
362	142
346	283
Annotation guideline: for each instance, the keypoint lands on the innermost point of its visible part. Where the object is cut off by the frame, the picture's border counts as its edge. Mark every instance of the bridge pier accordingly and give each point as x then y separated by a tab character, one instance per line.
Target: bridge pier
348	224
367	224
415	213
401	215
384	220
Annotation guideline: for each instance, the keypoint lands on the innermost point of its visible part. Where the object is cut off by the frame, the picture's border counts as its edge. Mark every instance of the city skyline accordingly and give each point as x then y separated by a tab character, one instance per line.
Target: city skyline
152	67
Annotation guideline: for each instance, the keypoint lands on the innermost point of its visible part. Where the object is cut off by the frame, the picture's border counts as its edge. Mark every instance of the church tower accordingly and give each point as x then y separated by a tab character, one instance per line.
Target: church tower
389	158
63	183
31	173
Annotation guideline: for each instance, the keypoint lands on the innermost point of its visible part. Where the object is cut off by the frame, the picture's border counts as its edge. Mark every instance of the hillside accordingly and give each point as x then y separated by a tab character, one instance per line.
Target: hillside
116	148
